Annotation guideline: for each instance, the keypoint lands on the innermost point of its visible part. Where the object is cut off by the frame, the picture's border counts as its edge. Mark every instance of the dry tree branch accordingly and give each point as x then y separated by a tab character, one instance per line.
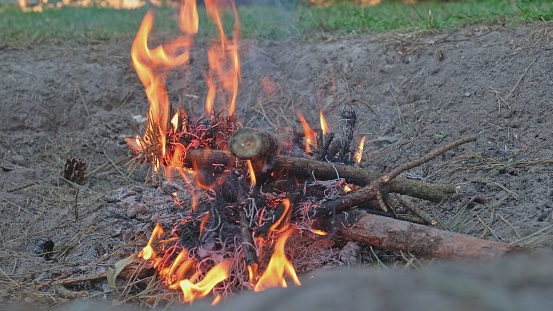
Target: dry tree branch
396	235
383	184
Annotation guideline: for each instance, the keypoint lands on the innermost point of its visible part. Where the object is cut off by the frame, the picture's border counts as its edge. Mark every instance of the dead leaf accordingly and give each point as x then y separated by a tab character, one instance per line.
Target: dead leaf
112	273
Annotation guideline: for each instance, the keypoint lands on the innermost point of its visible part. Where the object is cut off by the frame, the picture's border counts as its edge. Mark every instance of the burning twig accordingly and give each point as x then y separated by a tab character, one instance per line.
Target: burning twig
397	235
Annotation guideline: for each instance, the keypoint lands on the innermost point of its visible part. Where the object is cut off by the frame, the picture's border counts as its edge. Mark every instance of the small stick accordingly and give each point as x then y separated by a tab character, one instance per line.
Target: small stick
248	245
415	209
77	204
407	166
376	186
375	189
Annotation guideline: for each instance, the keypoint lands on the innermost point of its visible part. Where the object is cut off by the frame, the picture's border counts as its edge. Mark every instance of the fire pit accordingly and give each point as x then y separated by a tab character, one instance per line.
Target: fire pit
250	191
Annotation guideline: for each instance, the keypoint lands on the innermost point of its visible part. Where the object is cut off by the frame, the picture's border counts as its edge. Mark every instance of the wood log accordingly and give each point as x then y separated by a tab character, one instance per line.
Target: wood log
256	145
396	235
323	170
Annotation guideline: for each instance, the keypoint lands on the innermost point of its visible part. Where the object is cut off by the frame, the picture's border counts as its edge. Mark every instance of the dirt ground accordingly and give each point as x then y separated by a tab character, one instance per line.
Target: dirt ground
414	92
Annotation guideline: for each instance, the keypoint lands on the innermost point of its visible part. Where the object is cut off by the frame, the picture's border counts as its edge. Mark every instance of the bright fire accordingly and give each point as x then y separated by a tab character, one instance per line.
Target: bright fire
278	266
309	135
181	267
152	66
252	173
148	251
359	152
324	125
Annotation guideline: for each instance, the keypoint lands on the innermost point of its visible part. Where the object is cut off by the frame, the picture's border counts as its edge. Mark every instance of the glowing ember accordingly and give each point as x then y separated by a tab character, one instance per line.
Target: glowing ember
319	232
309	134
347	189
324	125
278	265
359	152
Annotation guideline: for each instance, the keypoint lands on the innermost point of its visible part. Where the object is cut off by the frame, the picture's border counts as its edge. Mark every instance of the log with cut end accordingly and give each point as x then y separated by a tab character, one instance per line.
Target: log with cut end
324	170
396	235
256	145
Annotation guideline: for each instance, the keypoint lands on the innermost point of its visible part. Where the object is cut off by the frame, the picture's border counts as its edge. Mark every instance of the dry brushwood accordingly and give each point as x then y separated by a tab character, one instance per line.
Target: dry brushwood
262	142
381	185
396	235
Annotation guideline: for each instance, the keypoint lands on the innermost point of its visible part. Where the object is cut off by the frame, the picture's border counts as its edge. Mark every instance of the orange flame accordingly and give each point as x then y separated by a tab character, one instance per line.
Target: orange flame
252	173
278	265
203	223
175	122
324	125
319	232
188	20
151	65
148	252
359	152
217	274
284	218
223	58
309	134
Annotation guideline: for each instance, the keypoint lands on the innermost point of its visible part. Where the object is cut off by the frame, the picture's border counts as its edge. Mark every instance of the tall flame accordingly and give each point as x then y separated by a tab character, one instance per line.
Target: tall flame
277	267
324	125
359	152
224	62
309	135
151	66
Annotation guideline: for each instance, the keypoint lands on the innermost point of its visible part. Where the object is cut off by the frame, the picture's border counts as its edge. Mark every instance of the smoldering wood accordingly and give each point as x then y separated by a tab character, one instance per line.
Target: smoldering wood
307	168
396	235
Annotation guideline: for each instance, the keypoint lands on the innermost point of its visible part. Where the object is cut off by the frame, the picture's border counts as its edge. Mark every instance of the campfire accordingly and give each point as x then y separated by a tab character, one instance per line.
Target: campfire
251	190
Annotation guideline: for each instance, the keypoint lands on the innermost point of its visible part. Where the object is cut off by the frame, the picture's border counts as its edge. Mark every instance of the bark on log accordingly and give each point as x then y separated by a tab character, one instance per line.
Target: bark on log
324	170
396	235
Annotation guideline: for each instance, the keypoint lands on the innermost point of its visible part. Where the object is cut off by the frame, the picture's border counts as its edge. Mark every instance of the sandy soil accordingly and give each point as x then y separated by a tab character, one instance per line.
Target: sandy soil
414	93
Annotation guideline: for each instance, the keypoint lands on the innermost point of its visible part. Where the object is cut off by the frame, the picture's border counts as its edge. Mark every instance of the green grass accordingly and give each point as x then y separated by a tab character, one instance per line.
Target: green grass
272	22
